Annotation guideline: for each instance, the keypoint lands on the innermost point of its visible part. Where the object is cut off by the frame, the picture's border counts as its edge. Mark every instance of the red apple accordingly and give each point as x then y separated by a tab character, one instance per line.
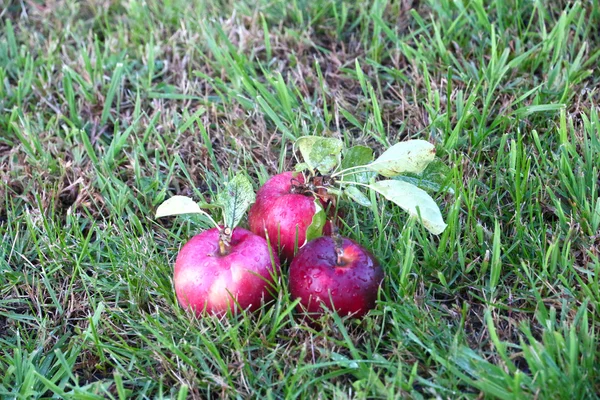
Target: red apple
348	285
206	279
284	212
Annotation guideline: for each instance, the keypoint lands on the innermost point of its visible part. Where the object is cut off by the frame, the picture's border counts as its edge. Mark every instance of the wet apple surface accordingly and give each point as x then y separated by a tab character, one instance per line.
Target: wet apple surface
349	287
205	279
282	213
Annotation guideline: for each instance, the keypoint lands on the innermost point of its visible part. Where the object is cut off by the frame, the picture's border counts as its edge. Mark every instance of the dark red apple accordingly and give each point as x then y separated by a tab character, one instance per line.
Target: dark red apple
207	280
285	210
347	284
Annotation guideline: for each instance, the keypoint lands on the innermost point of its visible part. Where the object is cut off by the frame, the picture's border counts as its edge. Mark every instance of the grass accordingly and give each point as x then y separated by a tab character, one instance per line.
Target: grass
110	107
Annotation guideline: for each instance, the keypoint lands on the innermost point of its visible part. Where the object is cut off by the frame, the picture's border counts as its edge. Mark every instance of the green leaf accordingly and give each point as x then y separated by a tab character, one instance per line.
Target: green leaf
320	153
354	157
319	219
301	167
338	192
208	206
235	199
410	156
357	155
413	200
178	205
436	177
424	184
355	194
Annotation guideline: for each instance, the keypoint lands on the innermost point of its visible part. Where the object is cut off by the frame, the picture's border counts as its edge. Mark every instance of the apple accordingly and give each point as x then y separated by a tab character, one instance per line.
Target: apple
336	272
283	210
215	276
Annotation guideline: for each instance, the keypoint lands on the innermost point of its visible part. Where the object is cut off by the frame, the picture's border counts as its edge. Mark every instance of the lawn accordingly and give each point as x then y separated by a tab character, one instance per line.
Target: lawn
108	108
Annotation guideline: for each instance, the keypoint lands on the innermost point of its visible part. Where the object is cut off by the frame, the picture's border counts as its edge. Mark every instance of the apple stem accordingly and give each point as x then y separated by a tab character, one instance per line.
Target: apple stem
340	255
339	245
224	241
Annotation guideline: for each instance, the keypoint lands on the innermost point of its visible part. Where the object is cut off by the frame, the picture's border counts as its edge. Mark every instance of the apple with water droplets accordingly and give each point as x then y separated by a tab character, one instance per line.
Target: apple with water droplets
283	210
335	272
215	277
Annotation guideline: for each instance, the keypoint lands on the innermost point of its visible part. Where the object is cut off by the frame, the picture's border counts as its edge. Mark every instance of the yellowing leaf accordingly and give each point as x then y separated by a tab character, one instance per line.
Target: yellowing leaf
415	201
320	153
177	205
410	156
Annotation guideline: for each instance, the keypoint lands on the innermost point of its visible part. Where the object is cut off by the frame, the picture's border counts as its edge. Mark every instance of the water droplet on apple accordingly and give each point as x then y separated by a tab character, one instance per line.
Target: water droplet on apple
333	292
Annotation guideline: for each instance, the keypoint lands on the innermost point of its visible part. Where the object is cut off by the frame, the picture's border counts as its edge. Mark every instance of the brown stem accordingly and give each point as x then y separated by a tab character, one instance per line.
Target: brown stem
339	245
224	241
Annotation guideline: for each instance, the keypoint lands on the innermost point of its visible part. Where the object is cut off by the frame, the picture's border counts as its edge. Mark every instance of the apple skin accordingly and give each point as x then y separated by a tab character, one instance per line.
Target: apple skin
276	206
314	276
204	278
